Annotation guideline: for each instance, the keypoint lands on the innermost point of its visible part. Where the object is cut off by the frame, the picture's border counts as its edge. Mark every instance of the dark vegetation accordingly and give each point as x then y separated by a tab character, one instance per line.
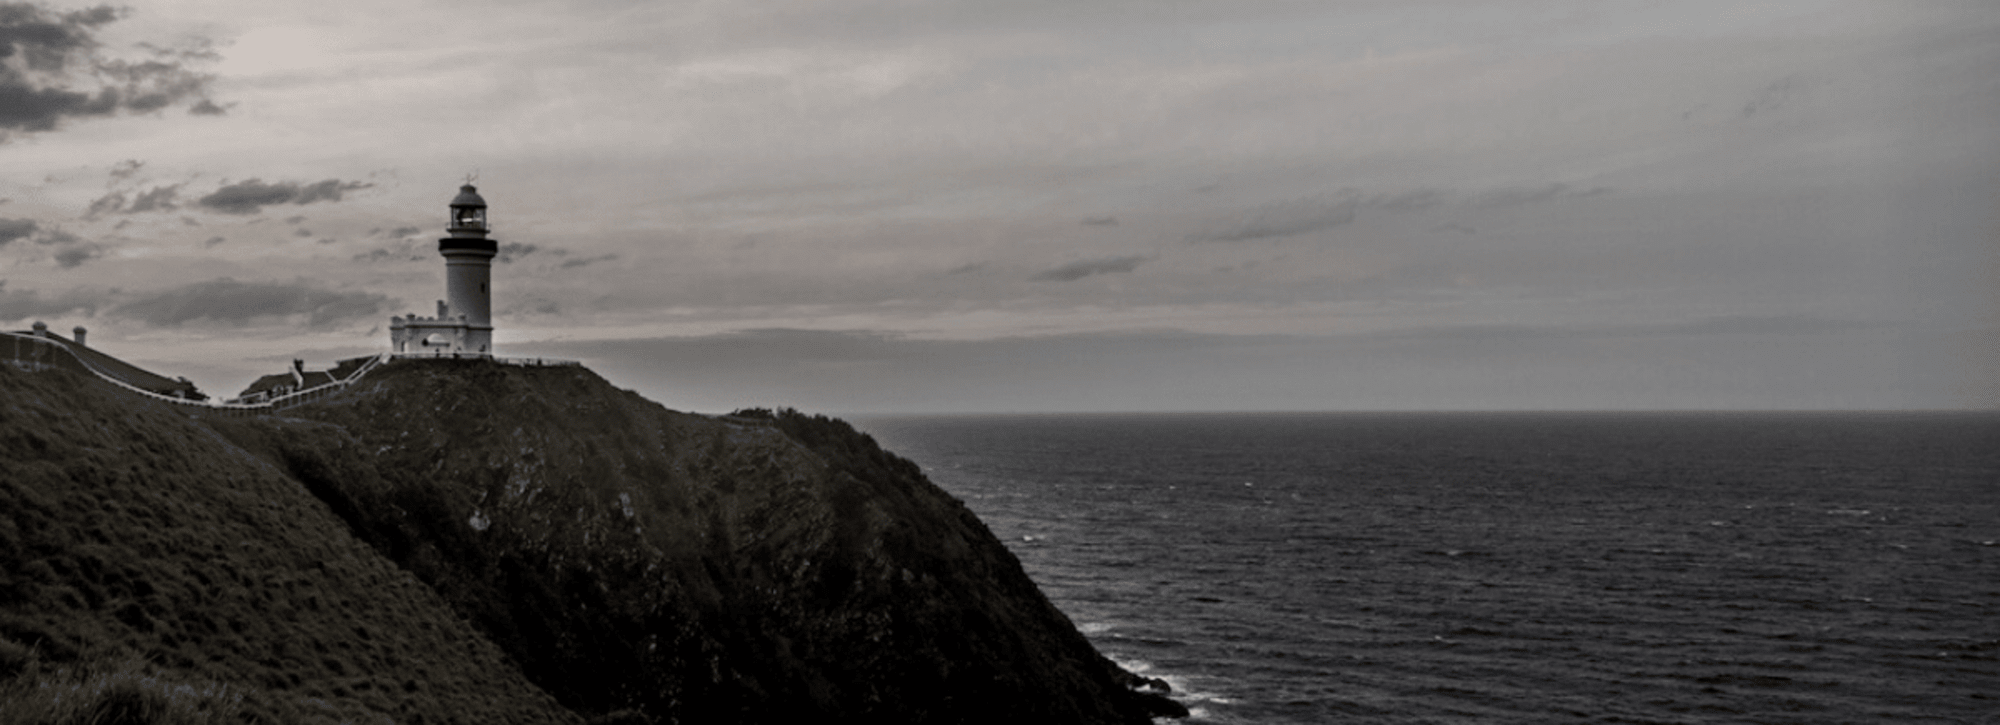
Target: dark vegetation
424	545
152	571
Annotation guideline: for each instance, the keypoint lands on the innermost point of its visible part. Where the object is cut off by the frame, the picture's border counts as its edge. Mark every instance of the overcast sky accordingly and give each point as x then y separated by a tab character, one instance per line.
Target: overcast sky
965	205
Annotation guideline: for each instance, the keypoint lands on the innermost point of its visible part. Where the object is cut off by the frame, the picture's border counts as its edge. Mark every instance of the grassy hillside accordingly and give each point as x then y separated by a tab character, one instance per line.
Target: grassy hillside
635	563
146	563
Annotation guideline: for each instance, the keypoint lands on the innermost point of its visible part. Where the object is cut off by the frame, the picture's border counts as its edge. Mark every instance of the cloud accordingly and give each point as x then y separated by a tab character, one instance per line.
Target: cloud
1525	333
226	302
72	257
1304	216
15	229
159	198
514	250
1412	200
250	197
49	237
25	304
574	263
1282	220
849	370
52	69
1100	221
105	205
1771	97
1519	195
1089	267
125	169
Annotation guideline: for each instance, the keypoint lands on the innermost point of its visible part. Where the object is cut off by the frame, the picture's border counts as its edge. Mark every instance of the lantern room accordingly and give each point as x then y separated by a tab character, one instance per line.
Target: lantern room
468	213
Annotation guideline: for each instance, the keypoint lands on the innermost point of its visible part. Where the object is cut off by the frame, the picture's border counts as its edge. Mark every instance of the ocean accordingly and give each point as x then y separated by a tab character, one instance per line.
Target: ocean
1509	568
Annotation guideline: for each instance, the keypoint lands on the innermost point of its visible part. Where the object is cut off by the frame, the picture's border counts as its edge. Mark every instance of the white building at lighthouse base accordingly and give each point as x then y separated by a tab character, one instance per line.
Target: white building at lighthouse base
445	334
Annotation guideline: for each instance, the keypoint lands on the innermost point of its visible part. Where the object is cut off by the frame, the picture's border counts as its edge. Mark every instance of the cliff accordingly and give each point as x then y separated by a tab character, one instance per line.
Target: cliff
146	563
634	563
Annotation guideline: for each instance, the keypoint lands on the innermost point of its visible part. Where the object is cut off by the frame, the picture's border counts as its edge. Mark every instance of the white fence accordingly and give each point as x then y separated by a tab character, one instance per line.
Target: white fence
31	352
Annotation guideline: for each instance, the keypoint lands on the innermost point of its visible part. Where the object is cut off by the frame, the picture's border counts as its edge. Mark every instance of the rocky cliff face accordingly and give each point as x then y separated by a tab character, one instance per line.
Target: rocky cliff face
638	563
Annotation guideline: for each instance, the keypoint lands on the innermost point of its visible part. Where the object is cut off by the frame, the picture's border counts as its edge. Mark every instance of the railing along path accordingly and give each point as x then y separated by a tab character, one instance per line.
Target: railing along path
36	356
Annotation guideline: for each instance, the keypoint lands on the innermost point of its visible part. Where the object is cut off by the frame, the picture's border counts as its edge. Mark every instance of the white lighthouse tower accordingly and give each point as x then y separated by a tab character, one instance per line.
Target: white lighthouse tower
464	325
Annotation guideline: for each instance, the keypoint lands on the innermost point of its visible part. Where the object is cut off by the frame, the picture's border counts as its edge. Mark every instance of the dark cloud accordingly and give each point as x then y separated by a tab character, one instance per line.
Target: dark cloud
16	229
105	205
1304	216
1282	220
397	233
228	303
1518	195
328	190
377	255
125	169
28	304
1089	267
13	230
250	197
159	198
1771	97
534	307
295	219
212	241
967	268
512	251
574	263
1413	200
72	257
52	69
1100	221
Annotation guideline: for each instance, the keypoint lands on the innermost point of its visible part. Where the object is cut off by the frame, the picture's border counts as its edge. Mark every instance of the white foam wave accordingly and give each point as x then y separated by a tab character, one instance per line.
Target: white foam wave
1182	692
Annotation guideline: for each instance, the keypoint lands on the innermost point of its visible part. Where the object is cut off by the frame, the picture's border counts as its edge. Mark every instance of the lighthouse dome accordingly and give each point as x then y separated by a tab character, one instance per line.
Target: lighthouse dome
467	196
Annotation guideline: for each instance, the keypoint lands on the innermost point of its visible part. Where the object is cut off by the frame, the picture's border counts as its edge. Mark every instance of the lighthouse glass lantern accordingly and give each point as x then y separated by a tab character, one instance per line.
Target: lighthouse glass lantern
468	211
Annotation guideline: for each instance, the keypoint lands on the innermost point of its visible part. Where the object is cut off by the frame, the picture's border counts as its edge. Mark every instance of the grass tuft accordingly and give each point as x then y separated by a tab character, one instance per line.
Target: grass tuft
126	695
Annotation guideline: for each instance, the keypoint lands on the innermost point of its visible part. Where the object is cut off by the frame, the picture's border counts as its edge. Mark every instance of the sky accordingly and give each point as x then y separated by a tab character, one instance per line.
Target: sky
883	206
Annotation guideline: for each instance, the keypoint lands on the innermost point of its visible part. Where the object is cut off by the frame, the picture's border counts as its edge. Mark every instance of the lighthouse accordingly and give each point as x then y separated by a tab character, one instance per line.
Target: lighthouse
468	268
464	323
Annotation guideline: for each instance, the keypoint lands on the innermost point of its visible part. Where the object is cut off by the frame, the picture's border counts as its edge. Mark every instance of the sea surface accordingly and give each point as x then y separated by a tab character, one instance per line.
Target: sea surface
1509	568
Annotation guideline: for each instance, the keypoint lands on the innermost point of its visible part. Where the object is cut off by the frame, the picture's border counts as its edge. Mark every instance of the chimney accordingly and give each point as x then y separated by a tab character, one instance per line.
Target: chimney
79	331
41	329
299	372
